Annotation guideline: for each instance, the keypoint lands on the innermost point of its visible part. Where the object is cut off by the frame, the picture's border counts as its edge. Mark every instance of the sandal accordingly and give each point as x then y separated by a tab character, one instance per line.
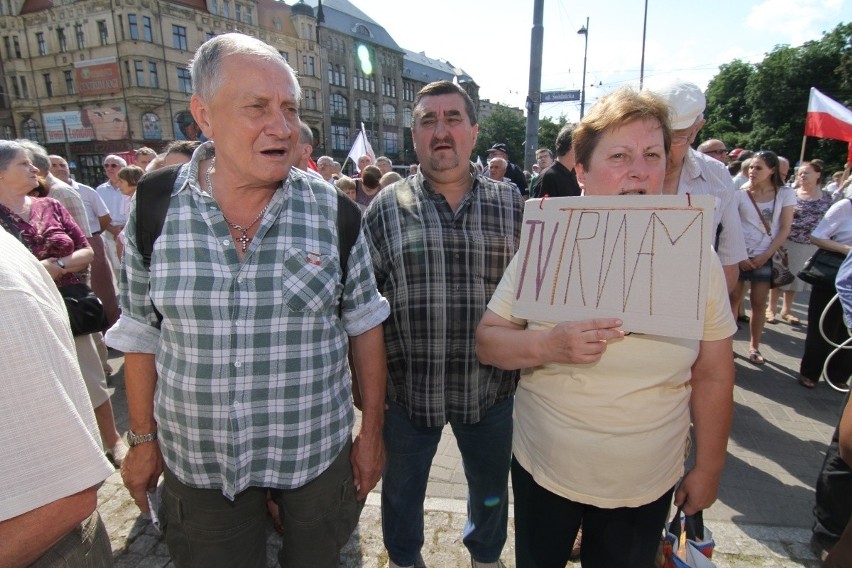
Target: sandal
743	318
755	357
791	319
806	382
770	318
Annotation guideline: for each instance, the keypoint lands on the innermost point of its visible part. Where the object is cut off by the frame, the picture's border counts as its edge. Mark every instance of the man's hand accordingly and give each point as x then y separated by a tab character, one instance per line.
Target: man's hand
368	460
140	472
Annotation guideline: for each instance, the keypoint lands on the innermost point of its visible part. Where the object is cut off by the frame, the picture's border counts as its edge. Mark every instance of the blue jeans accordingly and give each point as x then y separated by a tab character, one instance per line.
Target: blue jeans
486	450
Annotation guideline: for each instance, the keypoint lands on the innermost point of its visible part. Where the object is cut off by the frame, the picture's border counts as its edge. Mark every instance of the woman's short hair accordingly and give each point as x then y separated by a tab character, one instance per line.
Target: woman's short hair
614	111
8	151
131	174
345	183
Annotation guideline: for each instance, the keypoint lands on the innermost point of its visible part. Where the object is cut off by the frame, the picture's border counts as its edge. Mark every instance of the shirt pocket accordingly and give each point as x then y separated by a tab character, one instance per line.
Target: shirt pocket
495	252
310	281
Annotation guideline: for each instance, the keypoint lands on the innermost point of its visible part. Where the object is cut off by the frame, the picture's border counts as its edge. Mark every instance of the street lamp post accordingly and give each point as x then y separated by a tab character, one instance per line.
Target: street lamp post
584	31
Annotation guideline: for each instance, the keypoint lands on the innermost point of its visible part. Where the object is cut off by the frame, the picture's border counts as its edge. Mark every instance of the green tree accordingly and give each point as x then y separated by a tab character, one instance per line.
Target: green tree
728	114
764	106
502	125
547	132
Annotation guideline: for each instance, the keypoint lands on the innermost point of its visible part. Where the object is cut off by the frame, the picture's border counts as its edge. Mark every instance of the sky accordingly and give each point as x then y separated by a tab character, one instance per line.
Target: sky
686	39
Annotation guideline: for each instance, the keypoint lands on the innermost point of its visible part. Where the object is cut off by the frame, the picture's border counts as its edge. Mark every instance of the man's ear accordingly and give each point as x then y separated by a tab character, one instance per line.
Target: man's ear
201	114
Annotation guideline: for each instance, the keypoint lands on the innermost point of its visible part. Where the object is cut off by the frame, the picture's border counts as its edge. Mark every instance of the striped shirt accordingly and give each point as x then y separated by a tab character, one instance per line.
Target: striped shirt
254	387
438	269
703	175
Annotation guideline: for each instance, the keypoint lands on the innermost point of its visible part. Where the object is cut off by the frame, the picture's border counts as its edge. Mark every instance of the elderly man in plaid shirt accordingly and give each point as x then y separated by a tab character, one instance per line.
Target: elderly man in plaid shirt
245	385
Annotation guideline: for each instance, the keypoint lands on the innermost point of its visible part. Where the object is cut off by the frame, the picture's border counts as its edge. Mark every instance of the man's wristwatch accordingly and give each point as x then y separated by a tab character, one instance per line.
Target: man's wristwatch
136	439
60	263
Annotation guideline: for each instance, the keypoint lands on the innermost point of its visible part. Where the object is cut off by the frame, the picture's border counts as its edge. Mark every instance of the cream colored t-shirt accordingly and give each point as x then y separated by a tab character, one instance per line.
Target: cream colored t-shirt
613	433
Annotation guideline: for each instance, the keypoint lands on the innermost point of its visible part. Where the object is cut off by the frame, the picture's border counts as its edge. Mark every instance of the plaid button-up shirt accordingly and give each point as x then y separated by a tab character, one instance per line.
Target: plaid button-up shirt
438	269
253	382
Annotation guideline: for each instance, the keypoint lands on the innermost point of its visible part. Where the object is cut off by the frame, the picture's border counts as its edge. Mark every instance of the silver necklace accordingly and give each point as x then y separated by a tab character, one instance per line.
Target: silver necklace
243	239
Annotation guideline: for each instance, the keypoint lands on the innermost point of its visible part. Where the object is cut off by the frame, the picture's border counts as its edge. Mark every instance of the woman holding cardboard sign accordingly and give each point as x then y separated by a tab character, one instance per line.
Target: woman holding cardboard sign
601	424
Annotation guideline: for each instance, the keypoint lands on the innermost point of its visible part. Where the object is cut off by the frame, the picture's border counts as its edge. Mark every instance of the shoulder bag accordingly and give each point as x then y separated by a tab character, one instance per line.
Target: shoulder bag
781	275
821	269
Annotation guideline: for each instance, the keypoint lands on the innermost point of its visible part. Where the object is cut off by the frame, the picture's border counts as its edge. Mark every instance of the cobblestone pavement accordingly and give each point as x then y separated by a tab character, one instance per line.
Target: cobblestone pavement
762	517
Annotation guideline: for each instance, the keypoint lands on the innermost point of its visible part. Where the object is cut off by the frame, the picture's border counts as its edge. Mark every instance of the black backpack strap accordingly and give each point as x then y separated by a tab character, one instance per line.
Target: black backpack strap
153	195
348	228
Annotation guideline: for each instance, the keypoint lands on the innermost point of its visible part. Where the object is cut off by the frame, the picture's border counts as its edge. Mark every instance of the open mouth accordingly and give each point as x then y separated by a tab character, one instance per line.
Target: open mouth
633	192
275	152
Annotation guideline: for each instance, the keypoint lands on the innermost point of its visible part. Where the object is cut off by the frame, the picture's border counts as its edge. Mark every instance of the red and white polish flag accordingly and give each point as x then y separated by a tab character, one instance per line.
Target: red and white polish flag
828	118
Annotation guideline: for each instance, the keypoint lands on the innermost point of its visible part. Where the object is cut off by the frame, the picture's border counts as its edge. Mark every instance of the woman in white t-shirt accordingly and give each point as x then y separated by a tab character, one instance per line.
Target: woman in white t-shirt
766	208
601	424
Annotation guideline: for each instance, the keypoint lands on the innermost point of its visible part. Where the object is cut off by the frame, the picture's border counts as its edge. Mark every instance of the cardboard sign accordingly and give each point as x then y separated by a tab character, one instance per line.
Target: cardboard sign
643	259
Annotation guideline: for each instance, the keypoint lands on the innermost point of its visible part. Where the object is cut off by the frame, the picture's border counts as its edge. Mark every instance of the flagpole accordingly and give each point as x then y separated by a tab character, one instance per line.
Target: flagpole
802	155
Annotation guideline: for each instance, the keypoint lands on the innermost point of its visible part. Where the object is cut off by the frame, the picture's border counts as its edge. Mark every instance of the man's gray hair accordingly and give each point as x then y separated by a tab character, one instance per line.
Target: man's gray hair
117	158
306	135
205	67
37	153
384	159
325	160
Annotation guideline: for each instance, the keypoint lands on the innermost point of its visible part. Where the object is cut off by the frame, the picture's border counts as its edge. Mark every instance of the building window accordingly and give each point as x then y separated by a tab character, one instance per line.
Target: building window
17	46
179	38
249	17
81	37
365	111
42	46
238	12
60	36
134	26
285	55
152	71
147	29
227	8
151	129
32	131
48	84
7	45
337	105
339	137
184	81
309	98
407	91
127	72
25	91
308	66
140	73
16	89
331	76
406	117
391	140
389	115
103	32
69	82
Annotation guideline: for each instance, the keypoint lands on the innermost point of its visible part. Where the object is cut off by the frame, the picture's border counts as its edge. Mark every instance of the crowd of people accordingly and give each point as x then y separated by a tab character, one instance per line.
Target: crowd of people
253	328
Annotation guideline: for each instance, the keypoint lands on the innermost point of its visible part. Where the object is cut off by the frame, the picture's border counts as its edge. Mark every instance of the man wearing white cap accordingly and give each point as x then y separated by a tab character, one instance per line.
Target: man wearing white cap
690	171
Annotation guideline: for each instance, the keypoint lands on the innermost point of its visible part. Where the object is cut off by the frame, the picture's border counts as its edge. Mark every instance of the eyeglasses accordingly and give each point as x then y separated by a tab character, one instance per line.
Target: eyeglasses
680	140
718	152
112	166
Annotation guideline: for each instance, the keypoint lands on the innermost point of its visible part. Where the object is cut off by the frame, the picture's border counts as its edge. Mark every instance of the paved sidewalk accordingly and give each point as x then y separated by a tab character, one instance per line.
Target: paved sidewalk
762	518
